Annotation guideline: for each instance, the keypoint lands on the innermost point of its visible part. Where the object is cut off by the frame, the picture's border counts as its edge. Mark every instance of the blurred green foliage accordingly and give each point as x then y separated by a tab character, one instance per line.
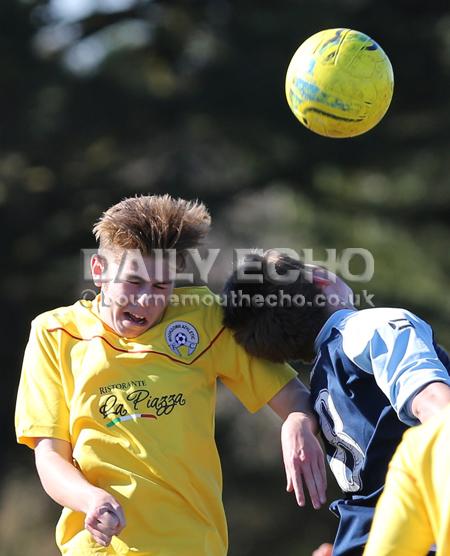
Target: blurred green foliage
101	99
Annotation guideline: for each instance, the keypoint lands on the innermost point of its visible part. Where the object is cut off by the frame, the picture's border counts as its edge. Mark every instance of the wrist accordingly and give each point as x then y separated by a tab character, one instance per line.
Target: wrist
303	420
90	498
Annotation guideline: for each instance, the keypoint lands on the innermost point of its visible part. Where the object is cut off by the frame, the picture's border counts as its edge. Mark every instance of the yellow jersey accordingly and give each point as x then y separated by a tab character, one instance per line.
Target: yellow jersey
139	414
414	510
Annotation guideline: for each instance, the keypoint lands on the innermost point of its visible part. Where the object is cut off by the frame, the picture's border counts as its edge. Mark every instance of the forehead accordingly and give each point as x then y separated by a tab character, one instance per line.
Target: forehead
131	262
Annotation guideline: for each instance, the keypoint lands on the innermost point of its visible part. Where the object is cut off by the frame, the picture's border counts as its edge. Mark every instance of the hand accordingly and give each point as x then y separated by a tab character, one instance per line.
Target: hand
303	460
325	549
104	517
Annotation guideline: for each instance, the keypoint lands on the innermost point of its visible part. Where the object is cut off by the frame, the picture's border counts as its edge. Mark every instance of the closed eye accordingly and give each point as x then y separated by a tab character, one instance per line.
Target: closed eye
162	285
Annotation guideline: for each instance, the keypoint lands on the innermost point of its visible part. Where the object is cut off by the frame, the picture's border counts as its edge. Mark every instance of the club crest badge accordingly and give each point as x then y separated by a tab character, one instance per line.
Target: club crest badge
182	338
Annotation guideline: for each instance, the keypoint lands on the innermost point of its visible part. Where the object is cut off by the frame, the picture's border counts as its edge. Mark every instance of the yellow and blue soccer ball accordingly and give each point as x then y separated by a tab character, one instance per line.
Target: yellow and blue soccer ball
339	83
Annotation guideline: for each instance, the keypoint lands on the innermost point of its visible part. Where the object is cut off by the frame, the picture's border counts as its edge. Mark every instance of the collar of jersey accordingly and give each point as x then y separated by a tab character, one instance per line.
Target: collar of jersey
101	328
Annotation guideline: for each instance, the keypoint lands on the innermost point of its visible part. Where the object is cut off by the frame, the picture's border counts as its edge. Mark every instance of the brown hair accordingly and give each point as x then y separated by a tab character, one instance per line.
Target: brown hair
278	331
150	222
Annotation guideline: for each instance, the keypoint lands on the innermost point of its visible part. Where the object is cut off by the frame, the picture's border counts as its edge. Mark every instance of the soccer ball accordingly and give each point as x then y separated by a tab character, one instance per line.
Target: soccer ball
339	83
180	338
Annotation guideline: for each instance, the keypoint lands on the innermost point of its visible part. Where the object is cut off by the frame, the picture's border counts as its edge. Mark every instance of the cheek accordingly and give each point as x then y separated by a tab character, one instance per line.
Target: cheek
120	294
160	298
168	294
169	291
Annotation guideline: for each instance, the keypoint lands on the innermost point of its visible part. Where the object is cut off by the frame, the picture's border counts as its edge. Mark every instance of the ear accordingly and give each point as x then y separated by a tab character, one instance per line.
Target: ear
98	268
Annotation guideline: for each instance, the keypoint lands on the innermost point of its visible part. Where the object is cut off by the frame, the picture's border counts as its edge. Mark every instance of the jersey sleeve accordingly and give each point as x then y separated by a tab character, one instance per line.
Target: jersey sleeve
443	356
401	526
41	408
252	380
403	360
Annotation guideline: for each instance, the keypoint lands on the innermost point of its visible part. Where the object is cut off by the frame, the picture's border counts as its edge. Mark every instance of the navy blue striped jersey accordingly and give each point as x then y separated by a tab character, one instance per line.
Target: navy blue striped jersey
370	364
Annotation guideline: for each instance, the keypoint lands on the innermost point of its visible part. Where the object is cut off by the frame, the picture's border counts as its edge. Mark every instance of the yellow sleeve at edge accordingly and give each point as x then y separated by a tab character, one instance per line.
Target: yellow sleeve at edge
252	380
41	408
401	526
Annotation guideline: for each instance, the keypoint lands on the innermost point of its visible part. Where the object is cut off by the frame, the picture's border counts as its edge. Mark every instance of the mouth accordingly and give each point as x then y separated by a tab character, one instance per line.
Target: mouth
135	319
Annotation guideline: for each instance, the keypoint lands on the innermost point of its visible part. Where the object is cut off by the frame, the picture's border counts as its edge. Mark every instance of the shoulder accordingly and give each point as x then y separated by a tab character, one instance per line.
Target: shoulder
369	320
54	317
197	305
420	442
201	293
71	317
362	331
364	327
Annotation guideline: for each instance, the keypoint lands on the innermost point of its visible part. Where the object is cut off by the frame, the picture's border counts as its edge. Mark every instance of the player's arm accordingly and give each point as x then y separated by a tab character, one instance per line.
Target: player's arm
257	382
65	484
435	396
408	369
302	454
431	400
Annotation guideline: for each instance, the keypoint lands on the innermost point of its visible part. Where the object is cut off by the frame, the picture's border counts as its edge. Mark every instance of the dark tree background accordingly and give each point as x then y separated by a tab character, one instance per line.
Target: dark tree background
101	99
